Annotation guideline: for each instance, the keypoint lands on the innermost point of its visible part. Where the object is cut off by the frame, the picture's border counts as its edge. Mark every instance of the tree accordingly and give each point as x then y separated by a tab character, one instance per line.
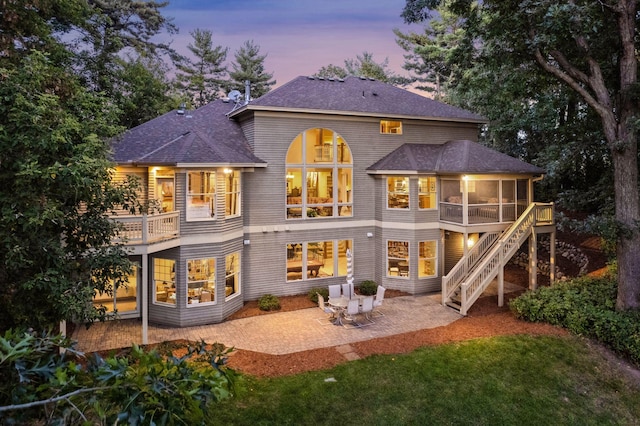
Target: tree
362	66
202	79
114	27
249	65
142	91
590	47
56	194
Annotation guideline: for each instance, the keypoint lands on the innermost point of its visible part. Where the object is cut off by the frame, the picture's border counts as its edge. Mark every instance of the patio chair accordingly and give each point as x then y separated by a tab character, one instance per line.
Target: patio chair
353	309
326	309
347	291
367	307
379	298
334	291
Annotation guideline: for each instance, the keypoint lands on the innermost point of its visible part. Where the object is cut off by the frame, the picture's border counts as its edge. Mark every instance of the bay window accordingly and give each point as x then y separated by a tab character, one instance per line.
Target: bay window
398	258
427	261
398	192
164	281
201	195
232	274
201	281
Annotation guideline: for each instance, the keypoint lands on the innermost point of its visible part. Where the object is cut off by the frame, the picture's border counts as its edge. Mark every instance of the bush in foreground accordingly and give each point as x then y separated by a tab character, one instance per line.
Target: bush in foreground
41	384
585	306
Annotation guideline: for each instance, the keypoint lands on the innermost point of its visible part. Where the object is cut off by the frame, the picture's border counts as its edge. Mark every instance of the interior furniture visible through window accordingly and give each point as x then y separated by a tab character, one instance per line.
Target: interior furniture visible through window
165	190
201	195
201	281
319	174
317	259
231	192
398	192
232	274
427	259
391	127
397	258
427	198
164	281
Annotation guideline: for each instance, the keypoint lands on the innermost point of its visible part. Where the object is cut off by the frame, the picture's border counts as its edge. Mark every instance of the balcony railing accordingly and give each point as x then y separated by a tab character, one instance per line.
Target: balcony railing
147	229
479	213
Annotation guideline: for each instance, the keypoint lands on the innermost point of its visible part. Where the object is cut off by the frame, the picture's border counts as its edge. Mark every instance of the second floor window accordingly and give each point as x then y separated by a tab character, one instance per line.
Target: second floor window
201	195
231	193
427	193
398	192
391	127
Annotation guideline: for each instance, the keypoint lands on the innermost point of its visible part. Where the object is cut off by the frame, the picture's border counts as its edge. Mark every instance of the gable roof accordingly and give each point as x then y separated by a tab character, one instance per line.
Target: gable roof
356	96
205	136
453	157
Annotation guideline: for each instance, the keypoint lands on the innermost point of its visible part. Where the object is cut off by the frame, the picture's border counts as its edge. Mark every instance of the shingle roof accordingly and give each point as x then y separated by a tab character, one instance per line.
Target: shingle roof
458	156
203	136
358	96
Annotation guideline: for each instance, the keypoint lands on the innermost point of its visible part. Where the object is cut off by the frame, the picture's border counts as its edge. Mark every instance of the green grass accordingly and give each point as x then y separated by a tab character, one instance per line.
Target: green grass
513	380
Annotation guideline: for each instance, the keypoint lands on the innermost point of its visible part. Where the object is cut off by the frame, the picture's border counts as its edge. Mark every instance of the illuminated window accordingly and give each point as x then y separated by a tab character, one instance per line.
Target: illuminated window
319	176
398	259
398	192
201	281
164	281
201	195
427	193
124	298
317	259
427	261
232	275
232	193
391	127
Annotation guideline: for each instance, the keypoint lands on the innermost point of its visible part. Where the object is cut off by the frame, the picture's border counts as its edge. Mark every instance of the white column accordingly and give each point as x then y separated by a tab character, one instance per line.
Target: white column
144	304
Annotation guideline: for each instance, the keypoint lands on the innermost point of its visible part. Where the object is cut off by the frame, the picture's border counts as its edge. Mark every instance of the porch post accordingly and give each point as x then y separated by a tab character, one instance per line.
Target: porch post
552	256
144	305
501	280
533	261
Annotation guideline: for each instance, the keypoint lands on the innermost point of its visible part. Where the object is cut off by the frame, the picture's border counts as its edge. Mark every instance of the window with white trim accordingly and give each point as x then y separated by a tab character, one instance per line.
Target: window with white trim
317	259
428	259
201	195
164	281
393	127
231	193
427	198
201	281
397	258
232	275
398	192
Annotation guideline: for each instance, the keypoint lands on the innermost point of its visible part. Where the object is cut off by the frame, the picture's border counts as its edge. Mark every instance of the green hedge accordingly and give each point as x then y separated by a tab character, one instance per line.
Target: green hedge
586	307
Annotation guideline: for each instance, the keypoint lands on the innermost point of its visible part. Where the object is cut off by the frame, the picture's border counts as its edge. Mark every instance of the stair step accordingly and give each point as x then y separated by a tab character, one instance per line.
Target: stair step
454	305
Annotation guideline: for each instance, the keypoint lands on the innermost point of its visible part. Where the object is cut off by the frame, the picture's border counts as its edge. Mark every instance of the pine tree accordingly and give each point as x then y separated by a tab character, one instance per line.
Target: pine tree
249	65
202	79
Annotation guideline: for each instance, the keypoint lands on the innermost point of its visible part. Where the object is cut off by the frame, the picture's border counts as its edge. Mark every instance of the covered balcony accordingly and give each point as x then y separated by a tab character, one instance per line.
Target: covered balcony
478	201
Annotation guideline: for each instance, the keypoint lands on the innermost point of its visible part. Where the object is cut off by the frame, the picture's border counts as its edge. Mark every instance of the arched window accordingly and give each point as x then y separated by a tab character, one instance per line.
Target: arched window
319	175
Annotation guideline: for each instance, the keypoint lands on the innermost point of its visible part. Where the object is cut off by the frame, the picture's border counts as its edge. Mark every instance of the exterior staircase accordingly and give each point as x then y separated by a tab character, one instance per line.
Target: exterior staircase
473	273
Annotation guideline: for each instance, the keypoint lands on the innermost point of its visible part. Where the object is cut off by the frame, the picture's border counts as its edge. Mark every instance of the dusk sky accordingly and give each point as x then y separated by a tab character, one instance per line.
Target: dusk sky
298	36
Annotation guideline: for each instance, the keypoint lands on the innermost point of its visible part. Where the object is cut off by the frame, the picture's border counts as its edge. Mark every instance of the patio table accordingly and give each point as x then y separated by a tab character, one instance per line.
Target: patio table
340	305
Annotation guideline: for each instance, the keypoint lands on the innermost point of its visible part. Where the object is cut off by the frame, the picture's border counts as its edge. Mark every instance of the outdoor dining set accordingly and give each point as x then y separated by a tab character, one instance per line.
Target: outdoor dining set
345	305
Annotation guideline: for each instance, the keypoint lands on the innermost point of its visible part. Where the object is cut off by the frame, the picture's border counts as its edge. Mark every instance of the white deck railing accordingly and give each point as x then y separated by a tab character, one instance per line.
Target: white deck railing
145	229
478	277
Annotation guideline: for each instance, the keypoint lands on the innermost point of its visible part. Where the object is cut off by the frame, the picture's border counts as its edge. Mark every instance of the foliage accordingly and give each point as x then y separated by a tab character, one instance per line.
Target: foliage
362	66
508	380
249	65
581	57
200	80
56	195
368	288
313	293
142	387
269	302
586	307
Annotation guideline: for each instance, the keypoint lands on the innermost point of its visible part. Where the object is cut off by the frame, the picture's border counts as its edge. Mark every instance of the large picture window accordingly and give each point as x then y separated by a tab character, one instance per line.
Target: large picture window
201	281
164	281
317	259
201	195
398	258
398	192
427	261
124	298
319	176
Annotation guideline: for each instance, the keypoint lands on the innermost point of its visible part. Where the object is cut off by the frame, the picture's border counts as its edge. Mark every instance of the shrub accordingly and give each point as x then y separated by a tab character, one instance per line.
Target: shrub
585	306
269	302
313	293
368	288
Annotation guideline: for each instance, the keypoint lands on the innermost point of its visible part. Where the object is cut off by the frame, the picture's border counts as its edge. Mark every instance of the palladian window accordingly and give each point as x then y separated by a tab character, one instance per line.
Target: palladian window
319	176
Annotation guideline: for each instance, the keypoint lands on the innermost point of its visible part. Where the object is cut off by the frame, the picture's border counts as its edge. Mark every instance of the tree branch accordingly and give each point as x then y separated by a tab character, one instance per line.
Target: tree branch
50	400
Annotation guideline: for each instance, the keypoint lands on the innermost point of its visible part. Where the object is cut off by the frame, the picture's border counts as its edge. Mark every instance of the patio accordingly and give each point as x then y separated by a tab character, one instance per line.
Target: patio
278	333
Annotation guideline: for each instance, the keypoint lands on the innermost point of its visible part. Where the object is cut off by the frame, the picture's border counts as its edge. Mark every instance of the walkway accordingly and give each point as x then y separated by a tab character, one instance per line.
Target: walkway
283	332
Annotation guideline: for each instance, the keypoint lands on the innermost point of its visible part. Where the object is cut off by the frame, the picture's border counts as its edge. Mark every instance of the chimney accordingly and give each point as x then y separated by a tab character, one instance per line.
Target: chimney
247	91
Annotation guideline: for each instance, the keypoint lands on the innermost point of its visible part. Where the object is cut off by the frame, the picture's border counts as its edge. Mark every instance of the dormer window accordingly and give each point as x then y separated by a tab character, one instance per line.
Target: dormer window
390	127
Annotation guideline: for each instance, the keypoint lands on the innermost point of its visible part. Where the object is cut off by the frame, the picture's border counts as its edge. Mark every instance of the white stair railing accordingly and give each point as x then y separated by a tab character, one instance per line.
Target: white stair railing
451	281
506	246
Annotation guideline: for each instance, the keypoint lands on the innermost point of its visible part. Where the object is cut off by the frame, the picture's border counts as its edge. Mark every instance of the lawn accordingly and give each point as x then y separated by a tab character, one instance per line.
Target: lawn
510	380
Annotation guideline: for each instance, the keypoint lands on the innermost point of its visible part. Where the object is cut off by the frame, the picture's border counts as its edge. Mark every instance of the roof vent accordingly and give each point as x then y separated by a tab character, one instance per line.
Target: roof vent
310	77
181	109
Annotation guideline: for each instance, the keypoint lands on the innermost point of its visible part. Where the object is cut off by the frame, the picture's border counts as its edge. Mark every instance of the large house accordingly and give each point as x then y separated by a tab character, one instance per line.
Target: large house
246	197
